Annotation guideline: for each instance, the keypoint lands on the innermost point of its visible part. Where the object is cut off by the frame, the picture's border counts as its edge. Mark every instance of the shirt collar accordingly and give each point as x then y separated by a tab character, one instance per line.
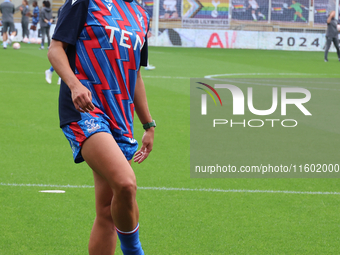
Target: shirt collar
7	1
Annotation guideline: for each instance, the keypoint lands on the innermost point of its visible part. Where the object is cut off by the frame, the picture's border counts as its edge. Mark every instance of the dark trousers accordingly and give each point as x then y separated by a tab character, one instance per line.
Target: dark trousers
25	31
45	31
329	41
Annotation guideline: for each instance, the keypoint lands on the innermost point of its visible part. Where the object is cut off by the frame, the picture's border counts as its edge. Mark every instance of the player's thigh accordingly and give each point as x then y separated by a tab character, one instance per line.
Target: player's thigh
103	196
102	153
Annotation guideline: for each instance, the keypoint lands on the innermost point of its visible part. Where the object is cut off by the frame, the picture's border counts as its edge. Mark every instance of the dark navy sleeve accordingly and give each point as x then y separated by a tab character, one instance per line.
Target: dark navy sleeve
144	53
71	21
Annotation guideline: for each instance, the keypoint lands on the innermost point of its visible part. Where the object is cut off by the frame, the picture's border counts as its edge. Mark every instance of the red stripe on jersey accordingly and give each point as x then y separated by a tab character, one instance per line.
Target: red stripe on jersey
78	132
143	12
81	73
132	111
124	91
140	33
114	55
131	64
89	46
101	13
114	58
125	21
95	112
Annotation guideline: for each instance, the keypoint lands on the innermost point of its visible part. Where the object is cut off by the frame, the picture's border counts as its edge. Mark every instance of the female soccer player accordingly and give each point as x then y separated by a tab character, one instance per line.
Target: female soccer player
105	43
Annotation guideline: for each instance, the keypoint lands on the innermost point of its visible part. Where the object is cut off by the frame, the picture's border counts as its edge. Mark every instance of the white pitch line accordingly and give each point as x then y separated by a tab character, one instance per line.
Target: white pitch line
44	185
214	76
181	189
21	72
164	77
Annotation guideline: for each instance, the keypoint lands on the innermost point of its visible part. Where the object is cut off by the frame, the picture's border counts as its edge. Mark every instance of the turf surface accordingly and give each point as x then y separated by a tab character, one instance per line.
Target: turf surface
34	151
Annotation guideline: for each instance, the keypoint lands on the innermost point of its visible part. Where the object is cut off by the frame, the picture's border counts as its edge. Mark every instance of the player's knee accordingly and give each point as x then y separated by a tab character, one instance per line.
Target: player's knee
127	188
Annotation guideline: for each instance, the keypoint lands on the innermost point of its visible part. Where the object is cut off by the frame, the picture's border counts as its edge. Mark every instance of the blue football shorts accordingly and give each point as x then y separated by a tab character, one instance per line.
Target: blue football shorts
92	123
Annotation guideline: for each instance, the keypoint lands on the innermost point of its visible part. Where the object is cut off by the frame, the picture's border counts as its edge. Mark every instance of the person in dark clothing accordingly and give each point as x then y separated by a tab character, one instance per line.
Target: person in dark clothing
25	19
46	20
7	9
332	35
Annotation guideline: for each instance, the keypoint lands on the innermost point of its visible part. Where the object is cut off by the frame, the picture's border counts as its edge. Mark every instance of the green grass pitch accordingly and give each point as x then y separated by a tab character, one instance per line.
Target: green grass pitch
183	221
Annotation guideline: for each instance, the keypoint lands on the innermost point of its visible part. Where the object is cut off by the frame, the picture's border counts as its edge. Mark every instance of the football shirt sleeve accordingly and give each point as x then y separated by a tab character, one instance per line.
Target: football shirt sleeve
144	53
71	21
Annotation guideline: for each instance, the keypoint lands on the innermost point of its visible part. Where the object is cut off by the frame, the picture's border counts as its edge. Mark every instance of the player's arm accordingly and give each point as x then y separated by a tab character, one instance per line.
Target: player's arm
331	15
71	22
81	96
142	110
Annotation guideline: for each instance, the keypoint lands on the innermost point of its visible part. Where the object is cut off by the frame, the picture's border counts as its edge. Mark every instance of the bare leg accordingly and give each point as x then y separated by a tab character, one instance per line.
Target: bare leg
4	37
103	155
103	236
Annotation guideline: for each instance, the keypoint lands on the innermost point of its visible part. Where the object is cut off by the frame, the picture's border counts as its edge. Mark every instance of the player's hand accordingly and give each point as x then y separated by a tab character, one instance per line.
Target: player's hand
82	99
147	143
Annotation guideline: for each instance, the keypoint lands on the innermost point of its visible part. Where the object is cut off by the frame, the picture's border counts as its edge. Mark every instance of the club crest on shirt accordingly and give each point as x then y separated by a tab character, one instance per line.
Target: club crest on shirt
132	140
140	19
91	126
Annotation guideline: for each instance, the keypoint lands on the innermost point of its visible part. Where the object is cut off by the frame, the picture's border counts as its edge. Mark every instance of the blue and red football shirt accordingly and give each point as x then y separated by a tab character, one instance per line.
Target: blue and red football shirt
107	44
